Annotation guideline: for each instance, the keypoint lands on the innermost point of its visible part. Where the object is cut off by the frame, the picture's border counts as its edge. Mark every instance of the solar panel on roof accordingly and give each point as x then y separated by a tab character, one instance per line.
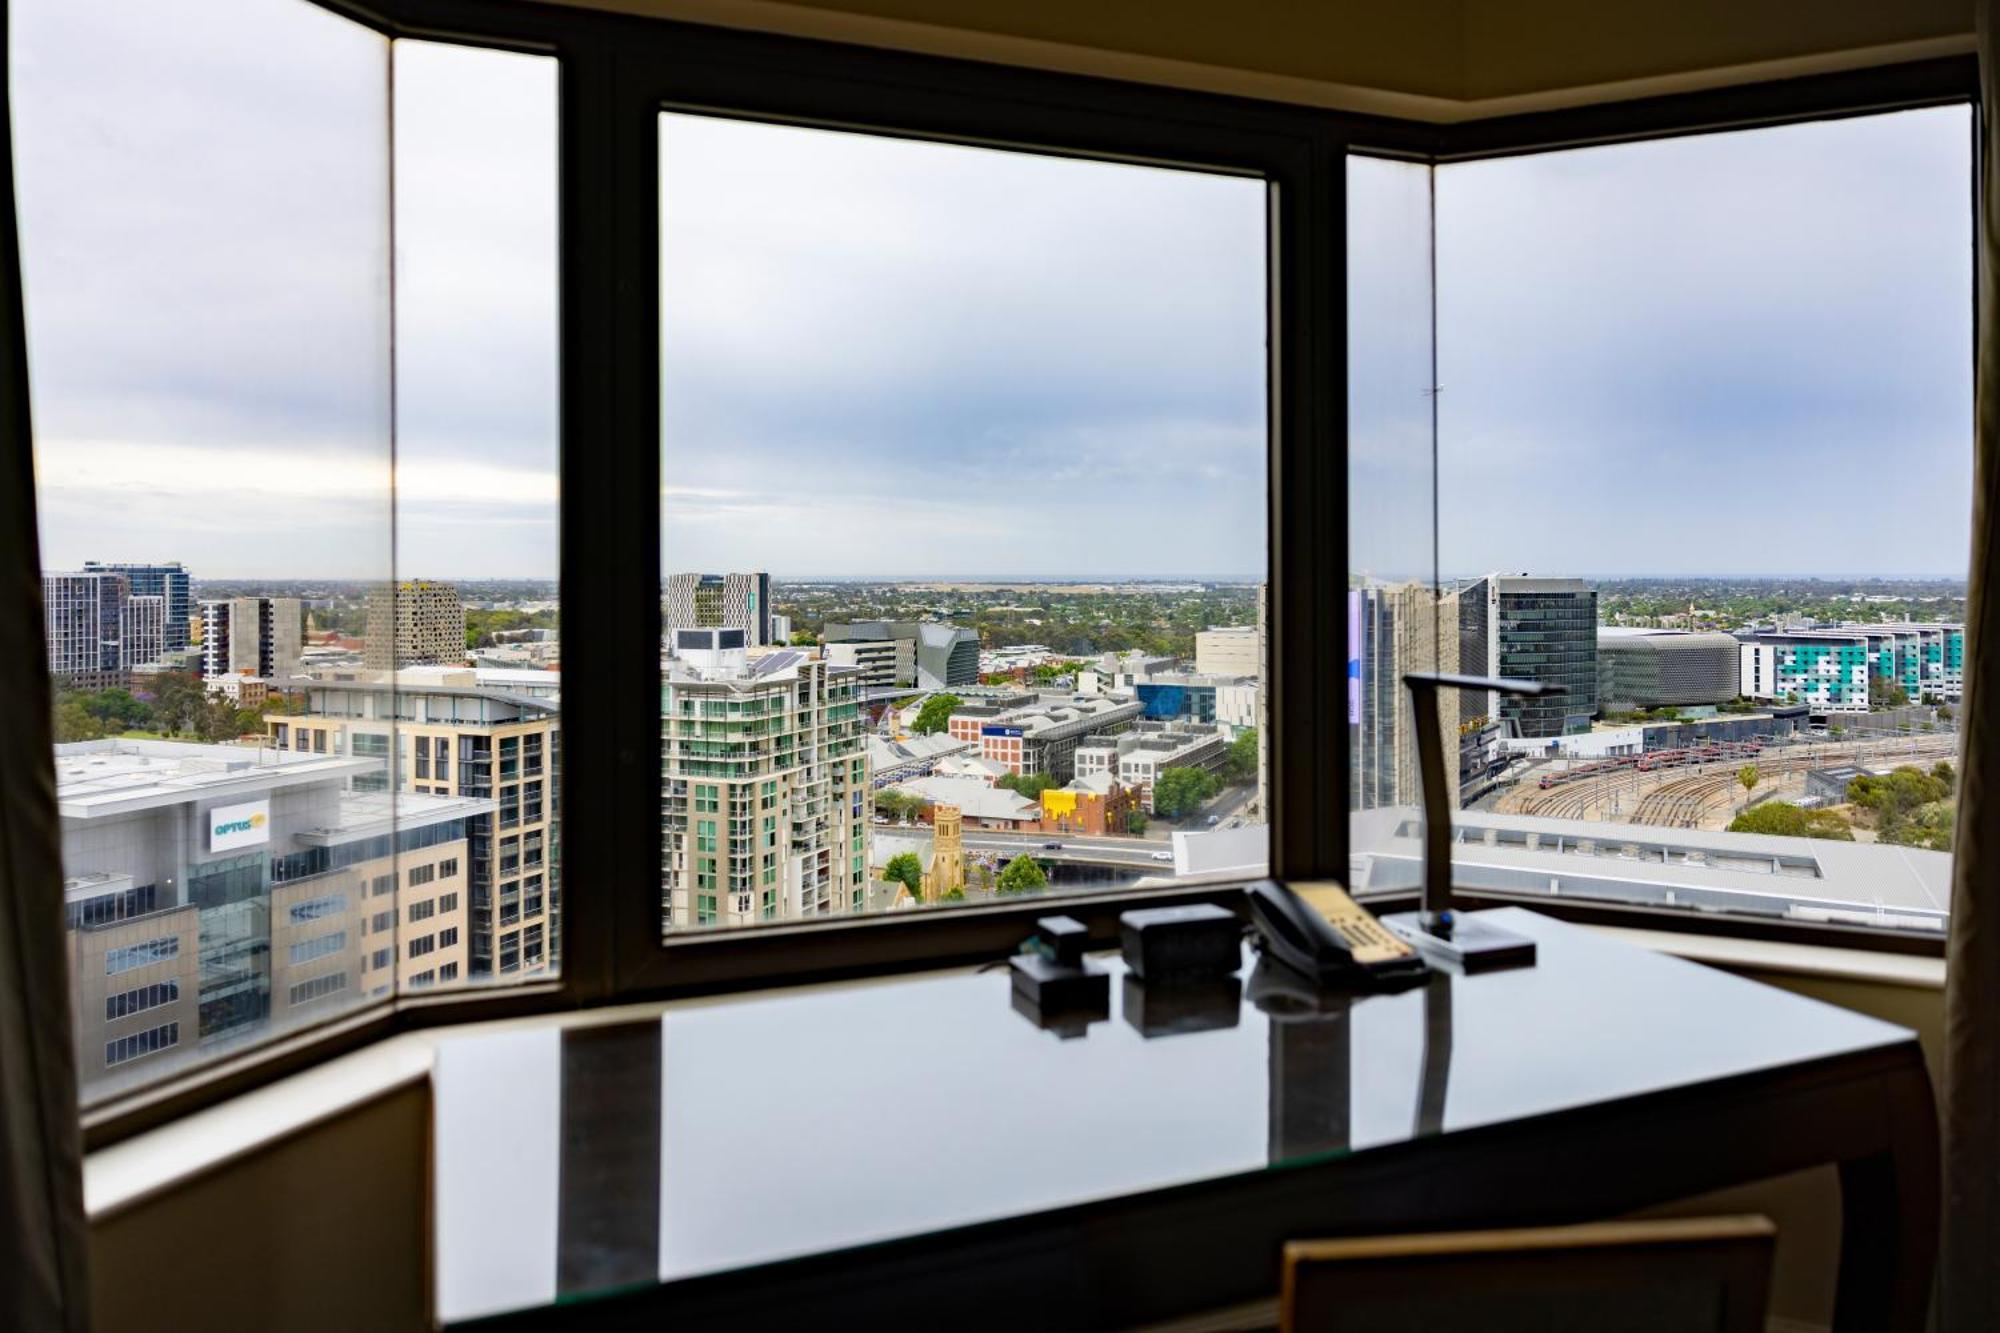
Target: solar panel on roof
770	662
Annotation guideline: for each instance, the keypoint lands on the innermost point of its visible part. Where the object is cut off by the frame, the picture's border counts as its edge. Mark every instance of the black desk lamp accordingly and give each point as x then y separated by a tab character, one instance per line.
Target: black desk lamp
1437	930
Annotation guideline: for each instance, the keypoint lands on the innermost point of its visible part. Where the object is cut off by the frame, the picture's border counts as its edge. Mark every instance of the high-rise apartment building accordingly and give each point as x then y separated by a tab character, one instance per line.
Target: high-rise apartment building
720	601
413	622
463	740
167	580
1397	628
142	630
1530	629
257	636
83	619
763	813
905	654
213	893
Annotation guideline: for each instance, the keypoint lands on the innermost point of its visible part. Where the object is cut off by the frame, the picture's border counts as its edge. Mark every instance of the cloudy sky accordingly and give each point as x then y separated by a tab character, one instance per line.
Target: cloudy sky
1727	354
1724	354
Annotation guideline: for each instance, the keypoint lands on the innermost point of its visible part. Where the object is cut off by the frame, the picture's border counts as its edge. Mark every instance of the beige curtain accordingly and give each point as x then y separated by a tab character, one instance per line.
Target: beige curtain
42	1283
1969	1286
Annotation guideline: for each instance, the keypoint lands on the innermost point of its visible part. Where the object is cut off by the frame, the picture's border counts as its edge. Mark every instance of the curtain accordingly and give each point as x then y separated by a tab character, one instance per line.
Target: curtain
42	1274
1969	1270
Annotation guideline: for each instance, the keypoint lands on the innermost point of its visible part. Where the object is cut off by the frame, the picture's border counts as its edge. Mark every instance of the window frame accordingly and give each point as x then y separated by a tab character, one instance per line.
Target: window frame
617	73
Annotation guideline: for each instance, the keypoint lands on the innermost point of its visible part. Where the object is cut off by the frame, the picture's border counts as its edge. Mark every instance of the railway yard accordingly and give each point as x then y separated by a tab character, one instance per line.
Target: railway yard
1701	790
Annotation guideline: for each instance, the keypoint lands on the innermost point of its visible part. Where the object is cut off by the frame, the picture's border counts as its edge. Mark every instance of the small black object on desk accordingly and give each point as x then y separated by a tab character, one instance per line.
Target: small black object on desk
1055	986
1167	945
1437	929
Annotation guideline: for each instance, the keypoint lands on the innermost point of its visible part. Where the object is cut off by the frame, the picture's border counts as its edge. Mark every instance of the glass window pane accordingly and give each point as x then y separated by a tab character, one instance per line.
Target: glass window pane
241	669
204	213
1704	459
963	523
1396	619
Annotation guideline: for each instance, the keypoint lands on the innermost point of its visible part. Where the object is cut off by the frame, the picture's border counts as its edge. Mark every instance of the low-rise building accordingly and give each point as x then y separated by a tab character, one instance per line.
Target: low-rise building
1094	805
905	654
1040	737
1659	668
981	804
1136	758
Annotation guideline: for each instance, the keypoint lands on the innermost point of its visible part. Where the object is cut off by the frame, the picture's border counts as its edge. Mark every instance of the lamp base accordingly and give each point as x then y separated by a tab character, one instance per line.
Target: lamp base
1474	945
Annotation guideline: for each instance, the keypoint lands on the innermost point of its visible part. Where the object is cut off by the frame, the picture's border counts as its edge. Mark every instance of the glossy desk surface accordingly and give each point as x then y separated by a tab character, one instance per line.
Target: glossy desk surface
779	1125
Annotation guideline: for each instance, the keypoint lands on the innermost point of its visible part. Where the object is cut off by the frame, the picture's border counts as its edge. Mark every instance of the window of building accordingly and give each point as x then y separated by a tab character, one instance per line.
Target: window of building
131	956
382	958
422	945
448	972
318	988
447	902
382	921
1662	318
318	947
447	937
421	875
448	867
1134	297
245	313
531	945
312	909
422	911
138	1001
142	1043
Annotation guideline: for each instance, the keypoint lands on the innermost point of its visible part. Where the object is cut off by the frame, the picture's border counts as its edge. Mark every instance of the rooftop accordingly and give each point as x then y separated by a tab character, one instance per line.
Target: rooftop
1807	879
377	814
111	777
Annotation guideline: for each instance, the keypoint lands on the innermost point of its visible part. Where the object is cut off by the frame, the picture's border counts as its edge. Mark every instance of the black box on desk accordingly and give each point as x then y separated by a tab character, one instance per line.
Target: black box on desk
1055	989
1169	944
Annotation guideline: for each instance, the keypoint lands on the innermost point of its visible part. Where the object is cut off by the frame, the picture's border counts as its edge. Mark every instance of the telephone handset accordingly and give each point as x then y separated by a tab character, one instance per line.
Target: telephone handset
1315	928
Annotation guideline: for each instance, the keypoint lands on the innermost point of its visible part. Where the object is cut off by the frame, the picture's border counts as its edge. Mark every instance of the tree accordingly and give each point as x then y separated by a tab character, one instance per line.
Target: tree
956	895
804	638
905	868
1785	820
1886	693
1747	777
1181	791
1030	785
937	711
74	722
1897	796
1022	875
1239	763
1135	822
1945	773
892	804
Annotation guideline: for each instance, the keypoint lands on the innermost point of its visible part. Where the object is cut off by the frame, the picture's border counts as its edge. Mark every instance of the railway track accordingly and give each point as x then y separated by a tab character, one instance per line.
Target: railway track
1691	797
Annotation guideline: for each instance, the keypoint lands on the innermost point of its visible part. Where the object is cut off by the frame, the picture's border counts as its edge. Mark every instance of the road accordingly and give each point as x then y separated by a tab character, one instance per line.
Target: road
1077	848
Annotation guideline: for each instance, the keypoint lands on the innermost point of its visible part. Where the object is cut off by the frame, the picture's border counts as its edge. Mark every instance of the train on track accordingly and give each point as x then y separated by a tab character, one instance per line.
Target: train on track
1713	752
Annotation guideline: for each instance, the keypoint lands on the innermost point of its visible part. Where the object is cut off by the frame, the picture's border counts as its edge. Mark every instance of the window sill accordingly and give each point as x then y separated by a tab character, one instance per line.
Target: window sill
1812	960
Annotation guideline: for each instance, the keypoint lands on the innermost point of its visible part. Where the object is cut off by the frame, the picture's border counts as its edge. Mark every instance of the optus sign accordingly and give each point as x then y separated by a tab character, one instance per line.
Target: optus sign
245	825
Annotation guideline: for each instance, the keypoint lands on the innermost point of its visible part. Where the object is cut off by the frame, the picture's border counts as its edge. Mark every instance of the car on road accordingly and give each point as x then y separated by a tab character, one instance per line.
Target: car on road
1163	856
1051	846
1215	819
